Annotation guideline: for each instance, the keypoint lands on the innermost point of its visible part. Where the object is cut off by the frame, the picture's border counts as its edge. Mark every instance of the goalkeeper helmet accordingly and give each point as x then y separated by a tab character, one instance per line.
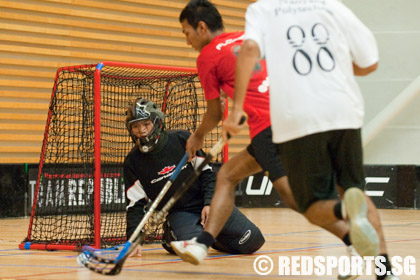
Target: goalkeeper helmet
145	110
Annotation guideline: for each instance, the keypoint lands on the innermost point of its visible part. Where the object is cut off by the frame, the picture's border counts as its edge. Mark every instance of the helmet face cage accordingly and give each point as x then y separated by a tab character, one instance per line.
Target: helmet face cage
145	110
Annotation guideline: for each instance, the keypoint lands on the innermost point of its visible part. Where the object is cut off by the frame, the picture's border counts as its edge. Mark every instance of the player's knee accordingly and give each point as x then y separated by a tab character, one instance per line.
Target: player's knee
225	177
313	213
309	217
251	241
282	186
239	235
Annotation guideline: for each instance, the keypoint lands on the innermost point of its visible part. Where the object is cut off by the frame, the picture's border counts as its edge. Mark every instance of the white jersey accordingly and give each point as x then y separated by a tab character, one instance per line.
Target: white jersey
309	46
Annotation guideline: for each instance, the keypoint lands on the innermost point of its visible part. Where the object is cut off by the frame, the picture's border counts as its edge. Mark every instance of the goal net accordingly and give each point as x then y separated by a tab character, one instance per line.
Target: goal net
79	197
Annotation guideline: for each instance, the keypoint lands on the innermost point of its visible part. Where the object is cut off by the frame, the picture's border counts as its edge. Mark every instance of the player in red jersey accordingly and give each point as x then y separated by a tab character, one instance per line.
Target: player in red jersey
216	69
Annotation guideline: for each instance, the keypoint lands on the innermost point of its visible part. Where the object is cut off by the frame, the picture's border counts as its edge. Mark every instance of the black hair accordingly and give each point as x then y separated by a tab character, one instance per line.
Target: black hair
202	10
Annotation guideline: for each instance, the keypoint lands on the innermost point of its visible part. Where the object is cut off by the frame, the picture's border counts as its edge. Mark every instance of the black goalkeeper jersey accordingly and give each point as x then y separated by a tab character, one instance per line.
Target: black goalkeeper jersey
145	174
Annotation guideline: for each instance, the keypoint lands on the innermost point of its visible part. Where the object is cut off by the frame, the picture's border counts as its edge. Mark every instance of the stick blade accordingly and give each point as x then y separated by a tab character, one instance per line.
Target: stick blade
101	261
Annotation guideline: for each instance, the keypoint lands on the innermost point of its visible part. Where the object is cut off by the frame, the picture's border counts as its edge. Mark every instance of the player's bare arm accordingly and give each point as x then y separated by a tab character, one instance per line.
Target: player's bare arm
211	118
136	252
205	215
359	71
247	58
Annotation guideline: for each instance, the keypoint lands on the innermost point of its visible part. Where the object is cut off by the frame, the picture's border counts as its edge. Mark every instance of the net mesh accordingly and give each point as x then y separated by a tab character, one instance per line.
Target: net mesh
63	213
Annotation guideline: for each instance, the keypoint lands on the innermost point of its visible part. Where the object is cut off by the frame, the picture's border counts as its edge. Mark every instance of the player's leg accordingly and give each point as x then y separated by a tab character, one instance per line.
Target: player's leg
230	174
346	152
349	166
283	189
264	151
317	205
261	146
319	212
375	220
317	155
181	225
311	177
239	235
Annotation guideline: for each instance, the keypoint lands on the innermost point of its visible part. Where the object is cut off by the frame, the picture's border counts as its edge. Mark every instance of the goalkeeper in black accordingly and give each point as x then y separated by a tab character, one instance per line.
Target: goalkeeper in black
147	168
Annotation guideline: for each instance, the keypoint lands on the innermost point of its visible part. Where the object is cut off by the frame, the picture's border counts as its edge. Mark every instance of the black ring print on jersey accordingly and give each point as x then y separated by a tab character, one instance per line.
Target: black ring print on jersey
299	50
317	36
320	35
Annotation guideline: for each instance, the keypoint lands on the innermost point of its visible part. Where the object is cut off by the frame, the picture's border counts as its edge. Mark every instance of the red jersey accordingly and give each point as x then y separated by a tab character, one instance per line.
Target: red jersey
216	69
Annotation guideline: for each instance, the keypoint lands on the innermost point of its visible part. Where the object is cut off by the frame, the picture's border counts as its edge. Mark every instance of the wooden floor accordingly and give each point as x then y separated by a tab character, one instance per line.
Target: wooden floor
286	233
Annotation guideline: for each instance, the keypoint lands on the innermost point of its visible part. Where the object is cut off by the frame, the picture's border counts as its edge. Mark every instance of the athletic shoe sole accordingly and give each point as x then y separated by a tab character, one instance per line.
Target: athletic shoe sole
186	256
362	234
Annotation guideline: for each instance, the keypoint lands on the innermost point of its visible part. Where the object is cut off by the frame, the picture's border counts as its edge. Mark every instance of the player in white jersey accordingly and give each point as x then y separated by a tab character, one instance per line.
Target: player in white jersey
313	49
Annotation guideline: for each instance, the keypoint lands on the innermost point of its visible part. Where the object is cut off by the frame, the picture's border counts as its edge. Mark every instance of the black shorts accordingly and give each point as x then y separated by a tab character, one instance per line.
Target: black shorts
264	151
317	163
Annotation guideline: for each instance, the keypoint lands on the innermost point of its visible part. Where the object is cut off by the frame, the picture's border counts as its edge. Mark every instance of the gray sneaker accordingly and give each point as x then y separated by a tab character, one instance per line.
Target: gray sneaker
363	235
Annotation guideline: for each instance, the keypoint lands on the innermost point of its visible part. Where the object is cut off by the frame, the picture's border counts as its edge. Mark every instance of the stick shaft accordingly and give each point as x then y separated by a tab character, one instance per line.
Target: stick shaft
132	241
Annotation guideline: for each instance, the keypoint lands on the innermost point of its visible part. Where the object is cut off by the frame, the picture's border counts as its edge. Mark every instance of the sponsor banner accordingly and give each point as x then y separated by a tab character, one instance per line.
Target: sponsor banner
381	185
71	187
388	187
257	191
70	190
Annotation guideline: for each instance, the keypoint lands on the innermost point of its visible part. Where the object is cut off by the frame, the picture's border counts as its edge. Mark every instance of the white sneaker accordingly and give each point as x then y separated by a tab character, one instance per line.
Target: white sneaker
363	235
190	250
352	253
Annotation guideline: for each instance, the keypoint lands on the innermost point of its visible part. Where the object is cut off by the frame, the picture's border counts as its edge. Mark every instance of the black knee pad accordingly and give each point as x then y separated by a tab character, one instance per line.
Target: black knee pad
255	241
239	235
